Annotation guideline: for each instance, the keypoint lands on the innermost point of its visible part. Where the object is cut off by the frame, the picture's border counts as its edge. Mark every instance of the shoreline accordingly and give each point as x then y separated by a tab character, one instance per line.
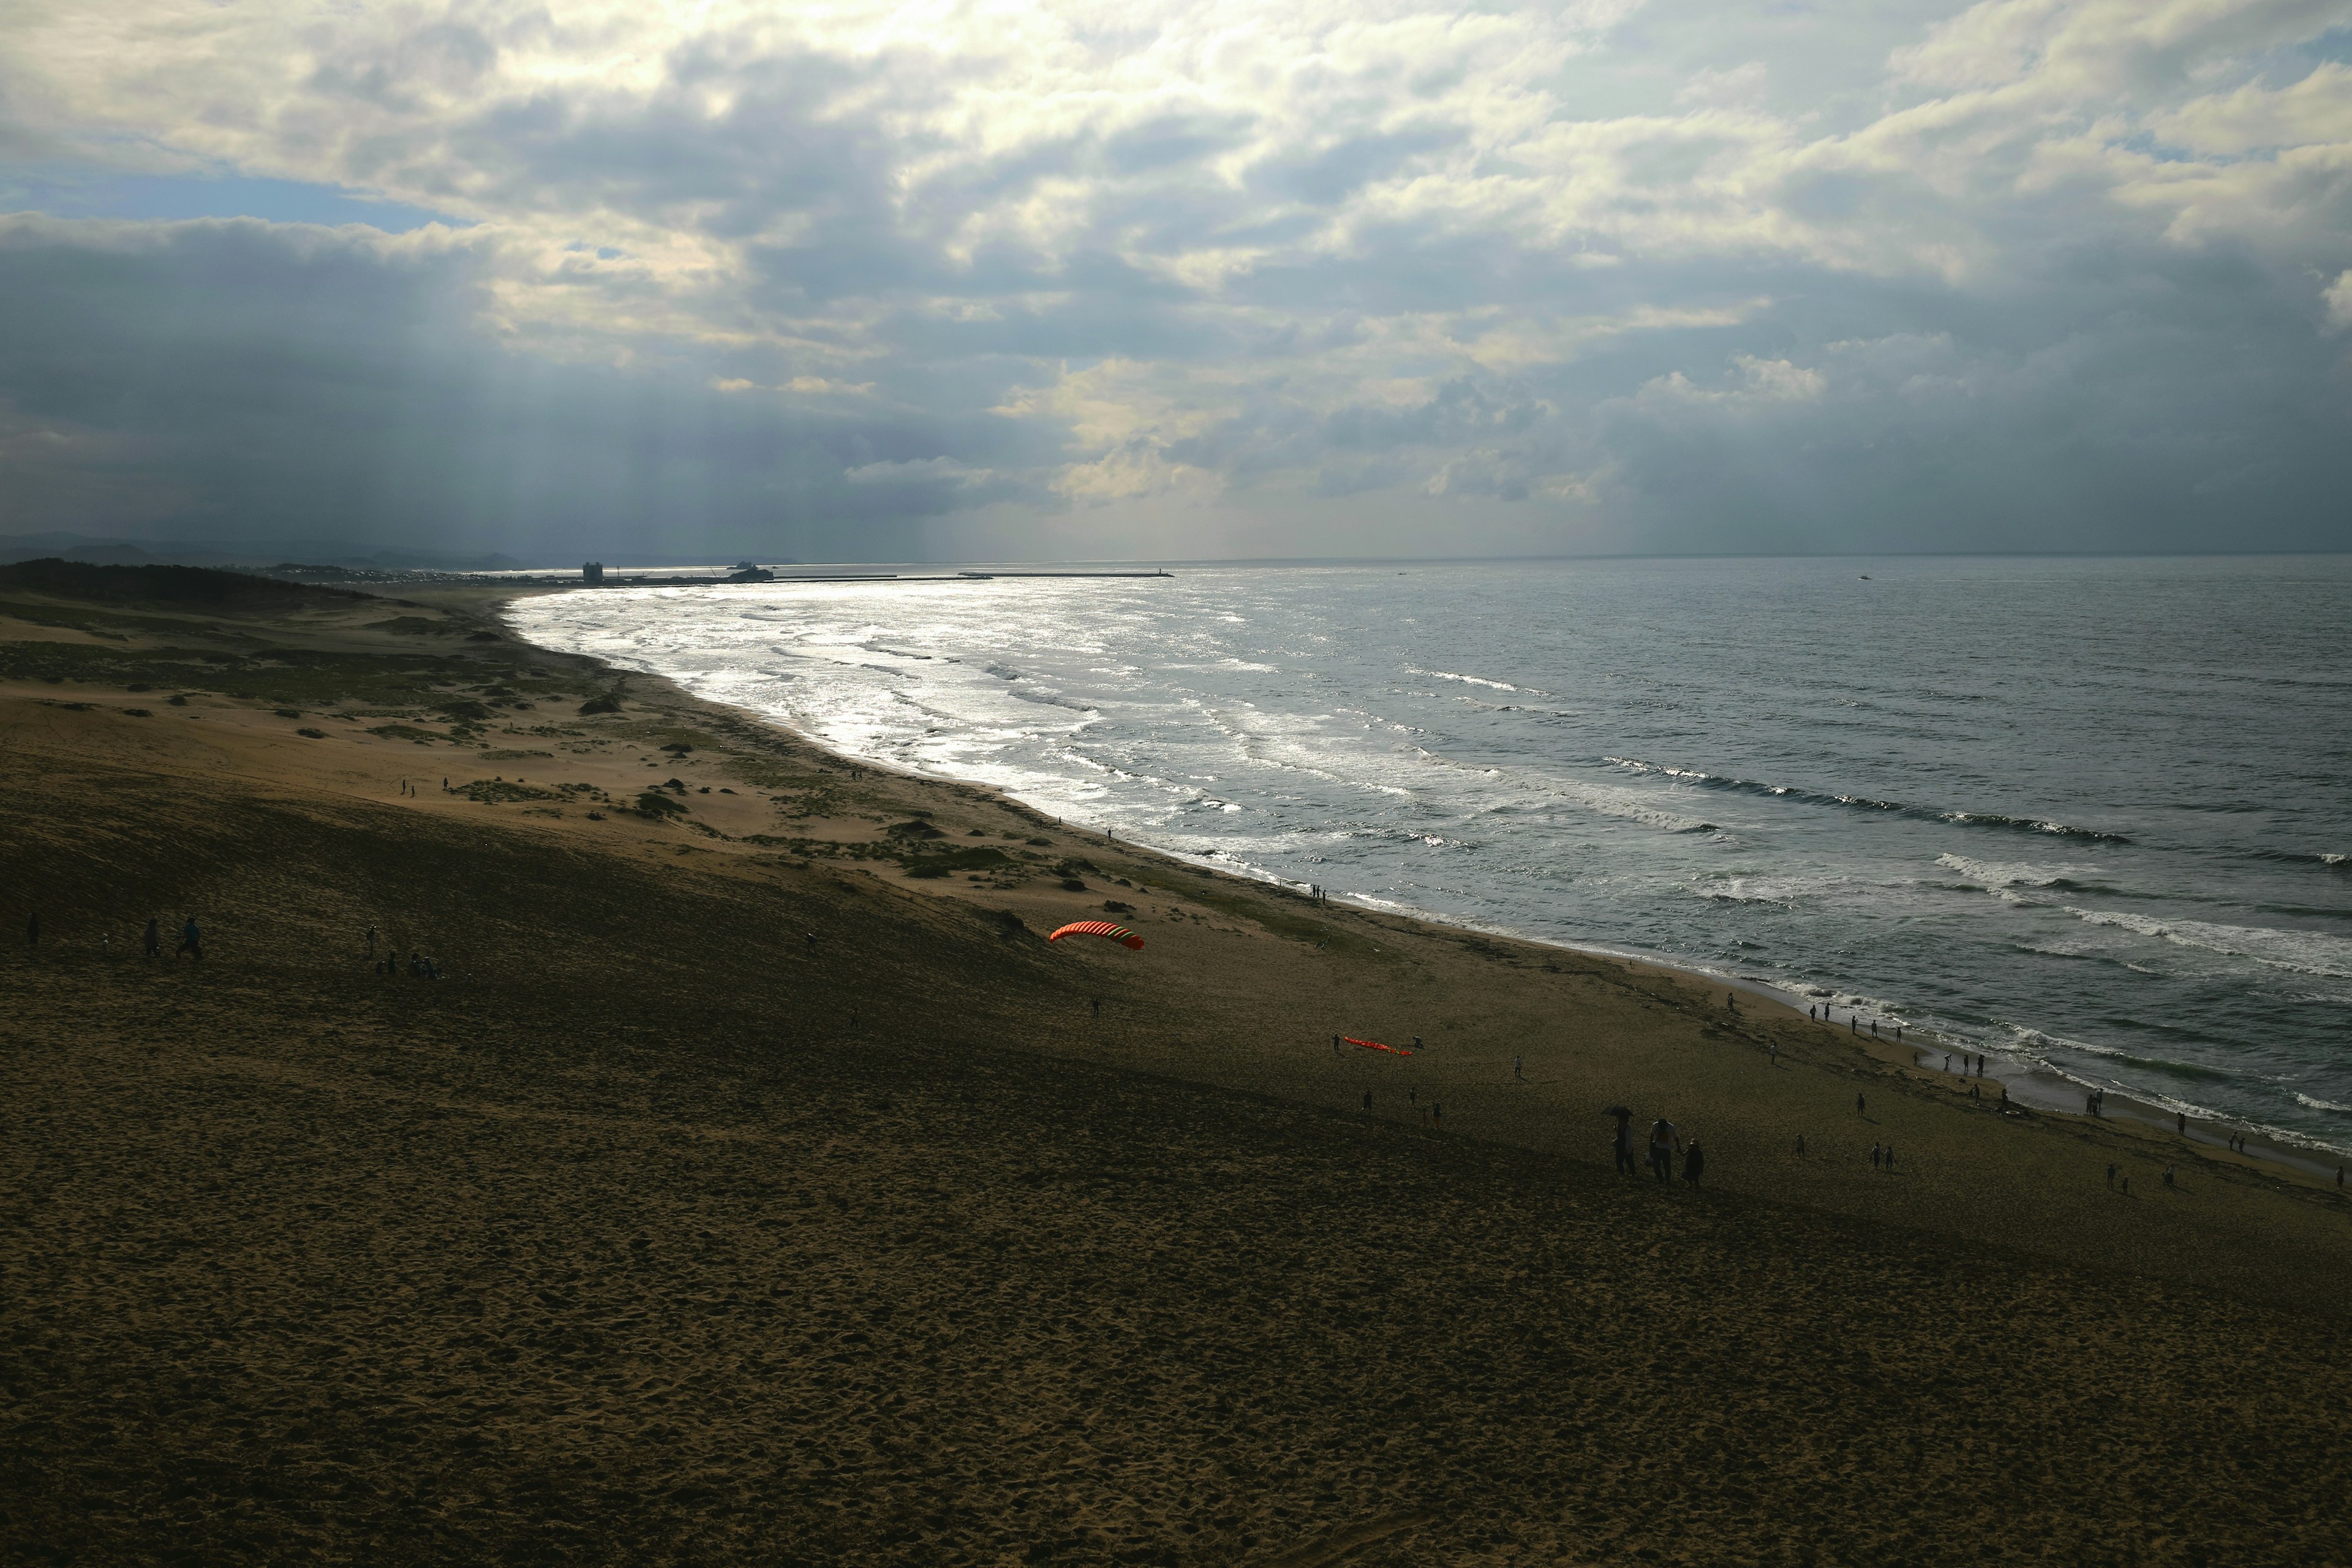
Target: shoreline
2036	1086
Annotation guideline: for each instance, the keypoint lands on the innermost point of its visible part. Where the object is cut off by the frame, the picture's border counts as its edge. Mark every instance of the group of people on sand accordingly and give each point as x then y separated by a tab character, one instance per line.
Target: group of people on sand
419	966
1853	1022
150	941
1665	1141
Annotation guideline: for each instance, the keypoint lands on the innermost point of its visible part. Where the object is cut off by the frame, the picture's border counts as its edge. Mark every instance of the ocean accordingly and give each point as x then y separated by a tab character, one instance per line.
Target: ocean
2092	816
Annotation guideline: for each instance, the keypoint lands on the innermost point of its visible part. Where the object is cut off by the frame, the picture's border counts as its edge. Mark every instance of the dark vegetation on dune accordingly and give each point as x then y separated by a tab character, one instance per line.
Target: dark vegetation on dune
170	588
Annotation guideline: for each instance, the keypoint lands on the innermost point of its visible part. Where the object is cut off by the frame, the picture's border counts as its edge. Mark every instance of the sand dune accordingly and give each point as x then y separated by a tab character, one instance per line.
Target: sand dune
654	1232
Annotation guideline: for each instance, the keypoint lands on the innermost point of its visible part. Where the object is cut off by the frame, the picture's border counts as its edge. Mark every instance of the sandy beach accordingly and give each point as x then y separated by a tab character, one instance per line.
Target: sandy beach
756	1182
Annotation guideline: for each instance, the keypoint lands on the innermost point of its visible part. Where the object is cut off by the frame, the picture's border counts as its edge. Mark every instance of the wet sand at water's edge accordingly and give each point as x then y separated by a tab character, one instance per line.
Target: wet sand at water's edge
655	1234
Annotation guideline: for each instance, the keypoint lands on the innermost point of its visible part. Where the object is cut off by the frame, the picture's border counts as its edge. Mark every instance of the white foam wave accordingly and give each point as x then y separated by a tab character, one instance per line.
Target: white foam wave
1783	891
2010	873
1470	680
2306	952
2313	1102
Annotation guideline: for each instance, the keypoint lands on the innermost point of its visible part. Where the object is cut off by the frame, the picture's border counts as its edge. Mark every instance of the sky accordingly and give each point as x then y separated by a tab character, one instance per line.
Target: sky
1166	280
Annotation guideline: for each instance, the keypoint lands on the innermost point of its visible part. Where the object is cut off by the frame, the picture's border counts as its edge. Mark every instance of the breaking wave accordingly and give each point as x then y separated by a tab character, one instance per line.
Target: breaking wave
2305	952
2004	873
1992	819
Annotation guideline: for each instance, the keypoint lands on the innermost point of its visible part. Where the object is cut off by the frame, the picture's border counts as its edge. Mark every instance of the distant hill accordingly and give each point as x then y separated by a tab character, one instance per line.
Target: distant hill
166	587
235	554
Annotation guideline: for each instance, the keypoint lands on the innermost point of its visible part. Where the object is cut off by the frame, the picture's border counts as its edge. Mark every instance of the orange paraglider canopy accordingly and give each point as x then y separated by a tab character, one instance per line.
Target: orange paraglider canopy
1099	928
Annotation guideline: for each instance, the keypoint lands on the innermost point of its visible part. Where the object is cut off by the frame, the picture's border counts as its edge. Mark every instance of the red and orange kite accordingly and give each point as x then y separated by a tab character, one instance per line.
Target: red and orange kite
1375	1046
1100	927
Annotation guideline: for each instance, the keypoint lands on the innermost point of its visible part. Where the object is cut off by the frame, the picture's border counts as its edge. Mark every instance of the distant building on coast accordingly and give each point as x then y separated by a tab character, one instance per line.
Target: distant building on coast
751	572
594	571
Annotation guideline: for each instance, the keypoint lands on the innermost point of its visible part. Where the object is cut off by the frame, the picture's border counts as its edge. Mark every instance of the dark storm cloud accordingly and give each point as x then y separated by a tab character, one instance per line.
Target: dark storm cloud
250	380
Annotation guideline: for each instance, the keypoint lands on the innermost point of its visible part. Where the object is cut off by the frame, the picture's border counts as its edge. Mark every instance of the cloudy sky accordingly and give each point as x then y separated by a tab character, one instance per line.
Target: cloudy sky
1175	279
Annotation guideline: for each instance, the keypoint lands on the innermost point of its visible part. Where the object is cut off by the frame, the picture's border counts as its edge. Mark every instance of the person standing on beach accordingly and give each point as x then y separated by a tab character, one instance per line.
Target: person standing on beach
2180	1122
1873	1156
1520	1069
1368	1100
151	939
1664	1141
1694	1163
2111	1176
191	941
1890	1159
1857	1105
1625	1142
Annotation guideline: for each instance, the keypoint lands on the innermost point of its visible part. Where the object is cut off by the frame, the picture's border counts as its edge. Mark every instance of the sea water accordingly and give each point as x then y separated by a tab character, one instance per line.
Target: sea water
2090	813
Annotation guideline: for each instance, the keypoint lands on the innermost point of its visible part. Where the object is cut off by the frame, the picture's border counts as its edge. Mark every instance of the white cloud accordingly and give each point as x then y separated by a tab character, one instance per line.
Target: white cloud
1760	380
2339	298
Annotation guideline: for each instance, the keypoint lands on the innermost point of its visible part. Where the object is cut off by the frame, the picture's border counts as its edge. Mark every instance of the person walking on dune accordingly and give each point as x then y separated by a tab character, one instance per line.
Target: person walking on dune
1625	1141
1664	1141
151	939
1694	1163
191	941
